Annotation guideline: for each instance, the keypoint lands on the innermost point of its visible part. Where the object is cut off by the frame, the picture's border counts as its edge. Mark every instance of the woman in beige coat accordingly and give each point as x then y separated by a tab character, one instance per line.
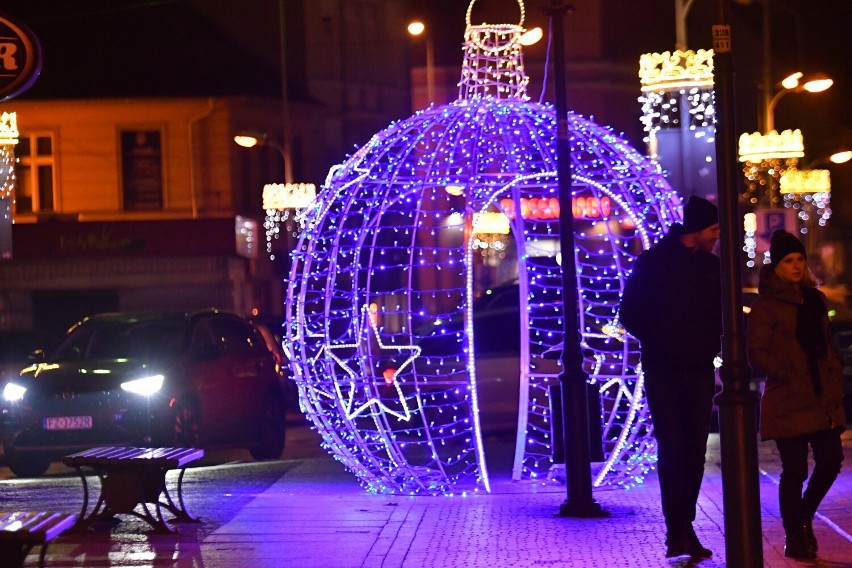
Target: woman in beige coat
802	404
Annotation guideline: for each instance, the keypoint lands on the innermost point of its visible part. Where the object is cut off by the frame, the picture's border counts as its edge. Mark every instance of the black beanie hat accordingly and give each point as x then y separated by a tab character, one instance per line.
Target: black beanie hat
698	214
783	243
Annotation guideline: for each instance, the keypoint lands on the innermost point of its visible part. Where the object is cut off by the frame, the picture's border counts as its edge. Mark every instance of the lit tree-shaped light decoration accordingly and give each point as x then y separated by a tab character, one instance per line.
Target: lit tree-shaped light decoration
388	261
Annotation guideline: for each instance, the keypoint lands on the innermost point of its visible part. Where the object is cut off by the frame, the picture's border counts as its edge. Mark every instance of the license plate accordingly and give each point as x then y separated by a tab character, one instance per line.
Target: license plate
68	423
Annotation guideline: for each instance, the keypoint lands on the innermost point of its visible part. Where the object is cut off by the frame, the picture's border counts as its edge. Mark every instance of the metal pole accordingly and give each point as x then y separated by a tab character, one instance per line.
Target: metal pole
430	70
285	98
575	410
737	402
766	82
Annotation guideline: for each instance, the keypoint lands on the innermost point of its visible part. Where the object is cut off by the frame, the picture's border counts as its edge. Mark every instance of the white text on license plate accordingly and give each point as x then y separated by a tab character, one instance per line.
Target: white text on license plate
68	423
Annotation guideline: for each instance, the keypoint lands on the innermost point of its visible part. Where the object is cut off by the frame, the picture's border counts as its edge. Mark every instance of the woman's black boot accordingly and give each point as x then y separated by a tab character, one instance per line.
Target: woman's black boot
810	536
798	544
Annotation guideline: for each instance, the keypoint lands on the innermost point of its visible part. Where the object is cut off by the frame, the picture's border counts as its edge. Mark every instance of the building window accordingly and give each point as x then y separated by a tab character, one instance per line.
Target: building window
34	170
142	170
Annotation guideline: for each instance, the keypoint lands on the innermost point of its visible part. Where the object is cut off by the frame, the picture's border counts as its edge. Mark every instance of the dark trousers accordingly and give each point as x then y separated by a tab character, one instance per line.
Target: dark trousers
680	405
797	508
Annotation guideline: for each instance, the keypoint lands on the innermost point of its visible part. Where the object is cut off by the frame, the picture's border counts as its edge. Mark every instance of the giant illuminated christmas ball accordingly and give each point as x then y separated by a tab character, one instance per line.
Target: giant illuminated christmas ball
407	234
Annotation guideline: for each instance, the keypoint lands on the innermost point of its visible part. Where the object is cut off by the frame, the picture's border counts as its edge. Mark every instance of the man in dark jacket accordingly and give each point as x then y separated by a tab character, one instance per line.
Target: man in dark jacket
672	303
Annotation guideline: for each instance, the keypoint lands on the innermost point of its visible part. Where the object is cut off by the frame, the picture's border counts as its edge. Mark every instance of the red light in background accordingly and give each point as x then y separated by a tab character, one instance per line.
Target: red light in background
548	207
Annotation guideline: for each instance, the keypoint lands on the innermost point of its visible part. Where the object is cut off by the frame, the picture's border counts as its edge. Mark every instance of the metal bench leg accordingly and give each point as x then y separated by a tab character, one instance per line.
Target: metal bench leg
42	555
179	509
84	521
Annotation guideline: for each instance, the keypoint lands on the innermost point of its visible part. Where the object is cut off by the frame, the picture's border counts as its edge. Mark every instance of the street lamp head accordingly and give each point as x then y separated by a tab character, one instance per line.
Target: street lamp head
532	36
841	157
416	28
818	83
790	82
250	138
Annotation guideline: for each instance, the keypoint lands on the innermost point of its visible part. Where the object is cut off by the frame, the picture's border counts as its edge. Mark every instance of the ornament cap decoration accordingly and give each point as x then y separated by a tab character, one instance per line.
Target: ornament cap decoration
9	128
674	70
493	62
755	147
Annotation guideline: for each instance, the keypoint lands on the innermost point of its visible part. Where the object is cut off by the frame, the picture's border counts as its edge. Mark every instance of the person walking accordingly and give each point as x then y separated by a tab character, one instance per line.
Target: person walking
672	303
802	404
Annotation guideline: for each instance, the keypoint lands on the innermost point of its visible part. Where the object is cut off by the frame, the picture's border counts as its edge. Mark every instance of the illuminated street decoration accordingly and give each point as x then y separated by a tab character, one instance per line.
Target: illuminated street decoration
772	180
679	117
366	372
670	71
8	139
667	76
806	181
282	201
809	193
398	226
756	147
765	158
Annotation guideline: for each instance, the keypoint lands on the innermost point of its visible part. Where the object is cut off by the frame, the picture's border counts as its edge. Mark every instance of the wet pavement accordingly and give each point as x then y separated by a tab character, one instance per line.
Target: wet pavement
306	511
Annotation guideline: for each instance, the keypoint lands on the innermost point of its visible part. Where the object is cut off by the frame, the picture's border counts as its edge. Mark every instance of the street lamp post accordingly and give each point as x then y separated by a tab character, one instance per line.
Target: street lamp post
573	380
793	84
416	29
251	139
737	403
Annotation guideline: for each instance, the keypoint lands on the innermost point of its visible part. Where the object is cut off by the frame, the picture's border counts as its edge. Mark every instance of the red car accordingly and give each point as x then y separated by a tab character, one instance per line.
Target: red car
202	379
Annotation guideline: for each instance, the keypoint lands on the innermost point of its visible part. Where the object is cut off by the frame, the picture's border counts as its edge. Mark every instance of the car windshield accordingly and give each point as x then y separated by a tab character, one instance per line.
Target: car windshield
125	339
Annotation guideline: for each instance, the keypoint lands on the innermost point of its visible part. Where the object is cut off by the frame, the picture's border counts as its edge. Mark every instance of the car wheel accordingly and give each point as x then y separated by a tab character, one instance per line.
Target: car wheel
27	465
272	430
187	428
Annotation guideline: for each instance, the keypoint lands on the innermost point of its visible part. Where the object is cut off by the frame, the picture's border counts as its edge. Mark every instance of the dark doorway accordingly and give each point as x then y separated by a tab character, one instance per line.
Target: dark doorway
54	311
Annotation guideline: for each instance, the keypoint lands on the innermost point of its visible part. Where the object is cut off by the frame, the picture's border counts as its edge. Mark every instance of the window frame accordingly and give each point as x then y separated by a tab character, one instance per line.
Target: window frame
33	161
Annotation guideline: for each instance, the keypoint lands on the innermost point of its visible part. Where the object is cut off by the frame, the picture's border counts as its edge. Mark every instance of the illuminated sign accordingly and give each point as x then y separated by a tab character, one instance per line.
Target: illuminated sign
548	207
20	58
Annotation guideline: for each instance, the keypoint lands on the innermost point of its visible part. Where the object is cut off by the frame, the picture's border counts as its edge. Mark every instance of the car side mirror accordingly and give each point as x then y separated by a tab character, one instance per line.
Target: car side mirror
37	356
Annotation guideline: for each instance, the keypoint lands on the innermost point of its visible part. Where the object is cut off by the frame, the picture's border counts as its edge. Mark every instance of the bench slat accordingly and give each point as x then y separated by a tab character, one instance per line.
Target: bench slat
163	457
35	527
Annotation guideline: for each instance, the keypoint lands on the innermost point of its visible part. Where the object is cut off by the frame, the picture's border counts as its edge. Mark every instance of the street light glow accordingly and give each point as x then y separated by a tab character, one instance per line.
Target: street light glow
246	141
532	36
818	84
416	28
841	157
791	81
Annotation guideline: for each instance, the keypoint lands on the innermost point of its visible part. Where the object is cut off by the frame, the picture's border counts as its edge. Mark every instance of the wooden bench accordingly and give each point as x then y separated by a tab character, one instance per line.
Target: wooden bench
131	478
21	530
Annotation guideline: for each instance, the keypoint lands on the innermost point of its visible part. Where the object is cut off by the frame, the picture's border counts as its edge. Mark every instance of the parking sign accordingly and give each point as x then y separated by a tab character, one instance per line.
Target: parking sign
771	220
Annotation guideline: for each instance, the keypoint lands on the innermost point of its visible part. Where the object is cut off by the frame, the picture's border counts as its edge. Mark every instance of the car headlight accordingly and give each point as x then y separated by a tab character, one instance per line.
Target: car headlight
144	386
13	392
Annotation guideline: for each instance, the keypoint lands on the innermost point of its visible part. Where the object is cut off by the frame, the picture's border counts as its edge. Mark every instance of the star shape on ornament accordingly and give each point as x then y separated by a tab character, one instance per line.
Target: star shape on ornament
363	375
